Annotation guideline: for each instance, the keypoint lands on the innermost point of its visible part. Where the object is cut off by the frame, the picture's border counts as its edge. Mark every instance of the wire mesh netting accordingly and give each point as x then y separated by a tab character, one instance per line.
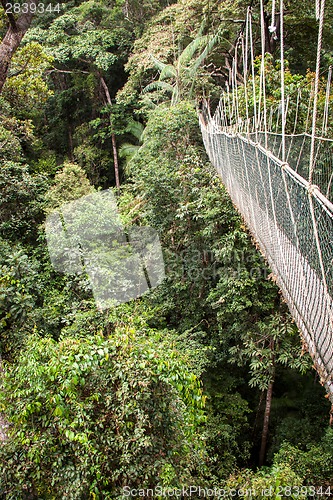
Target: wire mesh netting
298	156
291	221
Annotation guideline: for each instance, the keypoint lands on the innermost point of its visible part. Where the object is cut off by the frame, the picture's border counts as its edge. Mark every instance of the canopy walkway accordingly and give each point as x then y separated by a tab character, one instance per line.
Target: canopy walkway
283	187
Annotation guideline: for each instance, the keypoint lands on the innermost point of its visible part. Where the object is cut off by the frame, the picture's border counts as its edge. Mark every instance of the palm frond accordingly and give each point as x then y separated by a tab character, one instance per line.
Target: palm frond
135	128
158	64
158	86
188	53
128	150
209	46
169	71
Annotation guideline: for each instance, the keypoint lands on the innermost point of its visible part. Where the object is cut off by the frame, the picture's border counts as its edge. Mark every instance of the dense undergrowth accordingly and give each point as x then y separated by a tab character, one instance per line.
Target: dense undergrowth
167	390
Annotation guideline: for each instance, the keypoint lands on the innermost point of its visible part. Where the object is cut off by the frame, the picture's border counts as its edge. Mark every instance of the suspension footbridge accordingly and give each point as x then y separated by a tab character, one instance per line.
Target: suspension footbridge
282	184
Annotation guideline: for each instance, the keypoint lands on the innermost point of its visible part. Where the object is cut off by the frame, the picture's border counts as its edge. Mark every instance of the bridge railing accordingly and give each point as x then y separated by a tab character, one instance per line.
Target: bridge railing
292	222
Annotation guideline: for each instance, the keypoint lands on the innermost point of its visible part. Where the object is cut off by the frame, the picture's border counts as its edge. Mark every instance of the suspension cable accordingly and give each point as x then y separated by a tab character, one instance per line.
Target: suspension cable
245	64
327	99
283	110
235	82
262	71
249	13
316	88
272	27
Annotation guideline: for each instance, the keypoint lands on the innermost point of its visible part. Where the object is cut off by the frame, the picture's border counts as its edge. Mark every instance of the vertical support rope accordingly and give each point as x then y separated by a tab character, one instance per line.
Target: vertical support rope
229	107
245	63
225	123
309	108
316	88
252	71
233	88
235	83
283	115
270	121
299	94
262	71
272	26
327	99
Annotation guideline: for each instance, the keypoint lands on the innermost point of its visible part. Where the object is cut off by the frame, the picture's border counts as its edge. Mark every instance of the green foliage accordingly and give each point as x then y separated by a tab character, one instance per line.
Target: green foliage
15	134
76	35
166	37
226	430
91	152
299	412
315	465
20	293
26	89
90	415
266	482
183	73
70	184
10	145
128	150
20	201
272	344
302	35
108	399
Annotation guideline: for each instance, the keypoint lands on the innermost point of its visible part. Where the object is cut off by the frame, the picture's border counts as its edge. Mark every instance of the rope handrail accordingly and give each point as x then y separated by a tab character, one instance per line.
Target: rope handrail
275	204
282	184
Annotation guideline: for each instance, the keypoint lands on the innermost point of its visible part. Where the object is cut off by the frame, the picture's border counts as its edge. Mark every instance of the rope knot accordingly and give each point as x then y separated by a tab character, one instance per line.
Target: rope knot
311	188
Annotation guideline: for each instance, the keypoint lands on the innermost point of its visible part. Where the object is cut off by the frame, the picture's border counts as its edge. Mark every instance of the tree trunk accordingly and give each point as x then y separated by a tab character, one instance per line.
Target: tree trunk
3	423
113	136
271	39
267	415
12	39
126	9
115	160
70	143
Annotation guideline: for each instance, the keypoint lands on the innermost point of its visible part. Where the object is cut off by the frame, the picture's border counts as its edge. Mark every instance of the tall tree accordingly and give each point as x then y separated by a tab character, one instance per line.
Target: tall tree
83	45
269	344
182	74
12	39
